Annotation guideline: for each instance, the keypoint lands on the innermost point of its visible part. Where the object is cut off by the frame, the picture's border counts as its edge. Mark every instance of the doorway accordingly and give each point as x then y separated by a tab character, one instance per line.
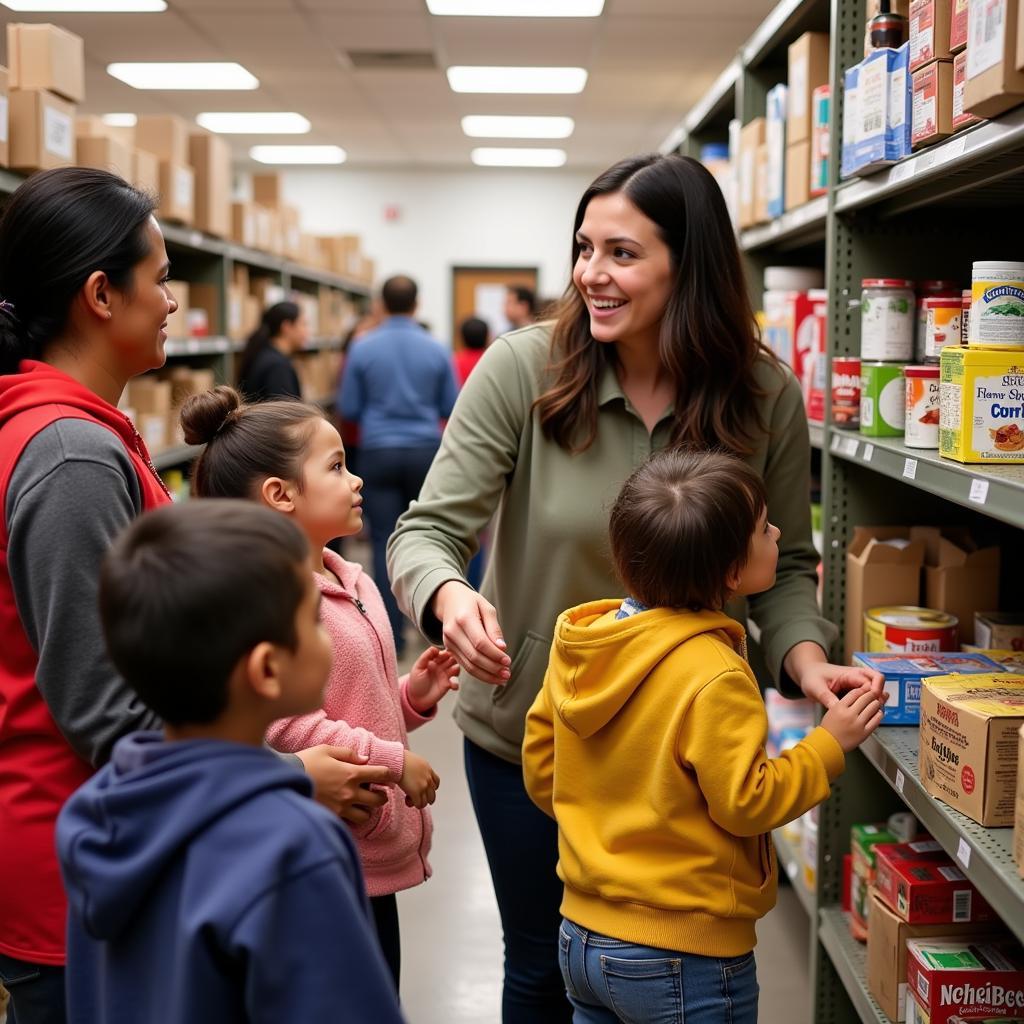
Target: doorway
480	291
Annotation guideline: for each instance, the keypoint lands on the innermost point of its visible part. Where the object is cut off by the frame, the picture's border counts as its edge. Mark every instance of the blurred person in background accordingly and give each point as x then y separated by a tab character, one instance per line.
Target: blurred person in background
266	370
520	306
475	337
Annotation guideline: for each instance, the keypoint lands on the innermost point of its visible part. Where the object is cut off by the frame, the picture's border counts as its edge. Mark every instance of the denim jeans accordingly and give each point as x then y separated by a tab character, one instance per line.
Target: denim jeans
37	992
521	843
609	981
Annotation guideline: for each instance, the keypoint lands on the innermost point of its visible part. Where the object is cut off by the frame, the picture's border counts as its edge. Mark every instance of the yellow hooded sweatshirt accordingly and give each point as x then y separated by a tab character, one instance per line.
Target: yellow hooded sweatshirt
646	745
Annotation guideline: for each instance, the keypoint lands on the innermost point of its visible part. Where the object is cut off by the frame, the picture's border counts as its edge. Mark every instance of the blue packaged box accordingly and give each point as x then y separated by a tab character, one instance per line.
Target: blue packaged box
878	106
851	119
775	136
904	672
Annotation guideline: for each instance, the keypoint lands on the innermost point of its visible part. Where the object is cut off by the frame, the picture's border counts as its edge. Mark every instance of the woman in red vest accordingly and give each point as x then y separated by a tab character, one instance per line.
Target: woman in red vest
84	304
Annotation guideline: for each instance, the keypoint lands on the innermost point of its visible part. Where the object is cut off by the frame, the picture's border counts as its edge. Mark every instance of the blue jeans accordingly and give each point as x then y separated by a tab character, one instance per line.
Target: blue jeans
609	981
522	851
37	992
392	478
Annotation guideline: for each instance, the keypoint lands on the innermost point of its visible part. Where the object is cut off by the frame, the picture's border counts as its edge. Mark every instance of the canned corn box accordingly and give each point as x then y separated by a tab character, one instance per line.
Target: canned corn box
981	404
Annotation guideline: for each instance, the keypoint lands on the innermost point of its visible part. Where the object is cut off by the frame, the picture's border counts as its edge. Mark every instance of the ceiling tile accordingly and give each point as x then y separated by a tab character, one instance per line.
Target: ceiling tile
375	32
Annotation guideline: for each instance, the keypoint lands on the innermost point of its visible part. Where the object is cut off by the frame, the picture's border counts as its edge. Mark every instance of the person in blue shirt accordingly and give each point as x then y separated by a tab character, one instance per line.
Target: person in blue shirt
204	884
398	385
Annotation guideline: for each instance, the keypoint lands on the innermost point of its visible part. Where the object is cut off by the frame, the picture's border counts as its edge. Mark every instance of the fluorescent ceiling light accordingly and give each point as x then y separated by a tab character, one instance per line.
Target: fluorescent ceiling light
517	80
493	157
298	154
87	6
171	75
517	8
479	126
245	123
121	120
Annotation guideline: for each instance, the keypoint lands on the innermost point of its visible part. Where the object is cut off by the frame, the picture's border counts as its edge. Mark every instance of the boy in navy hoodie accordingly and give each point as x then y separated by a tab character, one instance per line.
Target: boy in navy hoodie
203	883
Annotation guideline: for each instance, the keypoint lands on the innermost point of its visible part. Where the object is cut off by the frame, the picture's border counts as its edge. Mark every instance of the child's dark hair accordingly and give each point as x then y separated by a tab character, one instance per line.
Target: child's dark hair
245	443
474	332
59	227
188	590
681	523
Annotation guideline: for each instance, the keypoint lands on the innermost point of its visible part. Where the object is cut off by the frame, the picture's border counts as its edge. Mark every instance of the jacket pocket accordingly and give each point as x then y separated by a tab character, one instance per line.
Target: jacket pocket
511	701
381	818
768	868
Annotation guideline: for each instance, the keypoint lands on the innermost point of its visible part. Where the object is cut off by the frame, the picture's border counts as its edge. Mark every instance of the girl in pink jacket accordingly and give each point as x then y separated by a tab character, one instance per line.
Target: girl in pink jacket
287	455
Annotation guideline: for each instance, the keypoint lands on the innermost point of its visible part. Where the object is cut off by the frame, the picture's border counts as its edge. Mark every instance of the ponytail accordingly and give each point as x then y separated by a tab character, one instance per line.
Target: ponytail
273	319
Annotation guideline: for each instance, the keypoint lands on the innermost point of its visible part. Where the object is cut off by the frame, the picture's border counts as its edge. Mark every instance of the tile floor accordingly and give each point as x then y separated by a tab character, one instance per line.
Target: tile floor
451	938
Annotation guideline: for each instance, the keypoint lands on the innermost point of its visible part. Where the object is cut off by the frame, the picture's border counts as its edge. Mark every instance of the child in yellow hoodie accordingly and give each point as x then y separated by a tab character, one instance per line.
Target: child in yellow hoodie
646	744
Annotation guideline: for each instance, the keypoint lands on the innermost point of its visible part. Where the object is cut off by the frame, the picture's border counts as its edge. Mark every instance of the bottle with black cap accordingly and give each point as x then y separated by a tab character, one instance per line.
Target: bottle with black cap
886	28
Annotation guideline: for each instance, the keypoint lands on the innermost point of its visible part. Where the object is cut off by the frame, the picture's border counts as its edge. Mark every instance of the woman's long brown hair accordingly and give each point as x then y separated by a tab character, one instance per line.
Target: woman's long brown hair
709	339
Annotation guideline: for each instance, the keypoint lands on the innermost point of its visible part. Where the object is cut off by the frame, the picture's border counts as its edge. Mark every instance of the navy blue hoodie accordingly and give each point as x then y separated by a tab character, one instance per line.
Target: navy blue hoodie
205	885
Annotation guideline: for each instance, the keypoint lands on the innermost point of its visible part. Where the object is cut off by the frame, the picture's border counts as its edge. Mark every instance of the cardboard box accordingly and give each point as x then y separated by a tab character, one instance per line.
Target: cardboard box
89	126
210	157
46	57
798	174
883	567
264	228
106	154
863	840
184	382
752	136
5	135
851	122
968	747
177	322
905	672
164	135
999	630
932	104
761	185
243	224
42	129
177	192
922	885
291	229
808	68
151	400
1008	661
887	952
1018	808
879	133
958	26
929	32
994	84
775	137
961	117
145	171
207	298
268	190
956	981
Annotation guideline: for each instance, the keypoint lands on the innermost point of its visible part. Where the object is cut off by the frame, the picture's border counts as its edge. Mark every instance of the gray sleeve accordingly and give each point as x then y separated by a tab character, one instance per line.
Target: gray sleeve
72	492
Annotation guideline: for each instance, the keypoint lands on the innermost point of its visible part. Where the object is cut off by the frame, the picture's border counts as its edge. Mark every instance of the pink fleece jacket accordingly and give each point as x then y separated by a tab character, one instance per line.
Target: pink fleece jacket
366	707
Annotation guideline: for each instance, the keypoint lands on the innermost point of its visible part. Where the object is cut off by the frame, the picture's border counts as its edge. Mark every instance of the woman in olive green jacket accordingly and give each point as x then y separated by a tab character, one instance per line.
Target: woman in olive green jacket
654	344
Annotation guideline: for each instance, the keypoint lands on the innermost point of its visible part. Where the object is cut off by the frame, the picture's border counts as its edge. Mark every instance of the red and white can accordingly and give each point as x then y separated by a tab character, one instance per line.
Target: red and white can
846	392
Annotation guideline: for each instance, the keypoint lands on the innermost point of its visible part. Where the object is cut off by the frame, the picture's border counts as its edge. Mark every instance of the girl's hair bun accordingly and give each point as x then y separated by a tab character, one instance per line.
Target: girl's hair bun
204	415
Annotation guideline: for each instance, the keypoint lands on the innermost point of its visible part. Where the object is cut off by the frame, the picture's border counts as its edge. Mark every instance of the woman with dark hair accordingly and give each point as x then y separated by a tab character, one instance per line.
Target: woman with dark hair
83	281
654	344
265	370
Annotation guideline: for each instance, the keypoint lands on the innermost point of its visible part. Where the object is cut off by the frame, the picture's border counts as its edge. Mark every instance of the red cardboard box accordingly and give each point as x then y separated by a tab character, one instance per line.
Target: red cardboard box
954	981
920	882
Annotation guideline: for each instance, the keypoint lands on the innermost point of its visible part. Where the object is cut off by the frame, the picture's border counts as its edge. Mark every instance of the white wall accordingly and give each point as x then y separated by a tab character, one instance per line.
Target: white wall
447	218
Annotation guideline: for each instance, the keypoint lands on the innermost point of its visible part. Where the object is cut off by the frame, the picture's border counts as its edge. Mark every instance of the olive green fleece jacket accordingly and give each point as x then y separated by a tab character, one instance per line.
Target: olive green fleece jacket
550	547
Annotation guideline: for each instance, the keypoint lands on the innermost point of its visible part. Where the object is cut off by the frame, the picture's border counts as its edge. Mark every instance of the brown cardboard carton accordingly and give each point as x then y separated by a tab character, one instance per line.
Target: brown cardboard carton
145	170
151	400
185	382
1018	808
798	174
177	322
268	190
264	221
1000	630
932	89
751	137
959	578
961	118
5	134
887	952
89	126
958	26
210	157
105	153
243	224
808	68
164	135
46	57
969	743
42	128
177	193
761	185
879	573
994	84
929	31
291	231
207	298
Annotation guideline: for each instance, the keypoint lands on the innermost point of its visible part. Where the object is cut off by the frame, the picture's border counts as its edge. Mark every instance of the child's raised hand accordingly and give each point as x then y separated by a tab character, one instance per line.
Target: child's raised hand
434	674
419	781
854	718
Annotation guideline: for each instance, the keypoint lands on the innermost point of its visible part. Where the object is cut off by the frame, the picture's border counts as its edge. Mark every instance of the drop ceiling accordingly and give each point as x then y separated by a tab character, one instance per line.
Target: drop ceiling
648	61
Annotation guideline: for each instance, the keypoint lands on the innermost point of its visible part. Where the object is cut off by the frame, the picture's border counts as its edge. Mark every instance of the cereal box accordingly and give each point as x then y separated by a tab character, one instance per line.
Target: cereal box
1011	661
981	404
958	981
1000	630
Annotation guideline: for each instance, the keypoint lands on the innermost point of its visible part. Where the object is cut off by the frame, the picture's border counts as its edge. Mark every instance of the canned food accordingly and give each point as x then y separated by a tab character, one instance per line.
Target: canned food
965	318
882	400
922	418
997	307
929	290
845	392
908	629
942	324
887	319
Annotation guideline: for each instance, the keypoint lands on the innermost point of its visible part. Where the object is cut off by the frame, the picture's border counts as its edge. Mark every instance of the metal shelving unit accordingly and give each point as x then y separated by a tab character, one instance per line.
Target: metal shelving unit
803	225
789	861
199	346
849	957
817	432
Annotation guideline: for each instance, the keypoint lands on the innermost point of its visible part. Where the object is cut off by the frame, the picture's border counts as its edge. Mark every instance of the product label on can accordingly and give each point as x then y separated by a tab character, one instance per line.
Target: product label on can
883	400
942	328
846	392
997	313
922	426
887	325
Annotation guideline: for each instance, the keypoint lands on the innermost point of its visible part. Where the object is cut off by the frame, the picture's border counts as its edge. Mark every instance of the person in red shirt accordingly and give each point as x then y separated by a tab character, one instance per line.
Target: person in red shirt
84	304
475	337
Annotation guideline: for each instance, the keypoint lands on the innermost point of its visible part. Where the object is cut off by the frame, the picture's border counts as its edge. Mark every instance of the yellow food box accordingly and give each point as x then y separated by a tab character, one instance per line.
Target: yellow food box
981	404
1012	661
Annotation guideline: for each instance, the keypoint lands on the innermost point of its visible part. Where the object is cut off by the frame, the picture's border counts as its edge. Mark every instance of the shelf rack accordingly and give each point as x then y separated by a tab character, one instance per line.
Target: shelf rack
895	223
790	865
